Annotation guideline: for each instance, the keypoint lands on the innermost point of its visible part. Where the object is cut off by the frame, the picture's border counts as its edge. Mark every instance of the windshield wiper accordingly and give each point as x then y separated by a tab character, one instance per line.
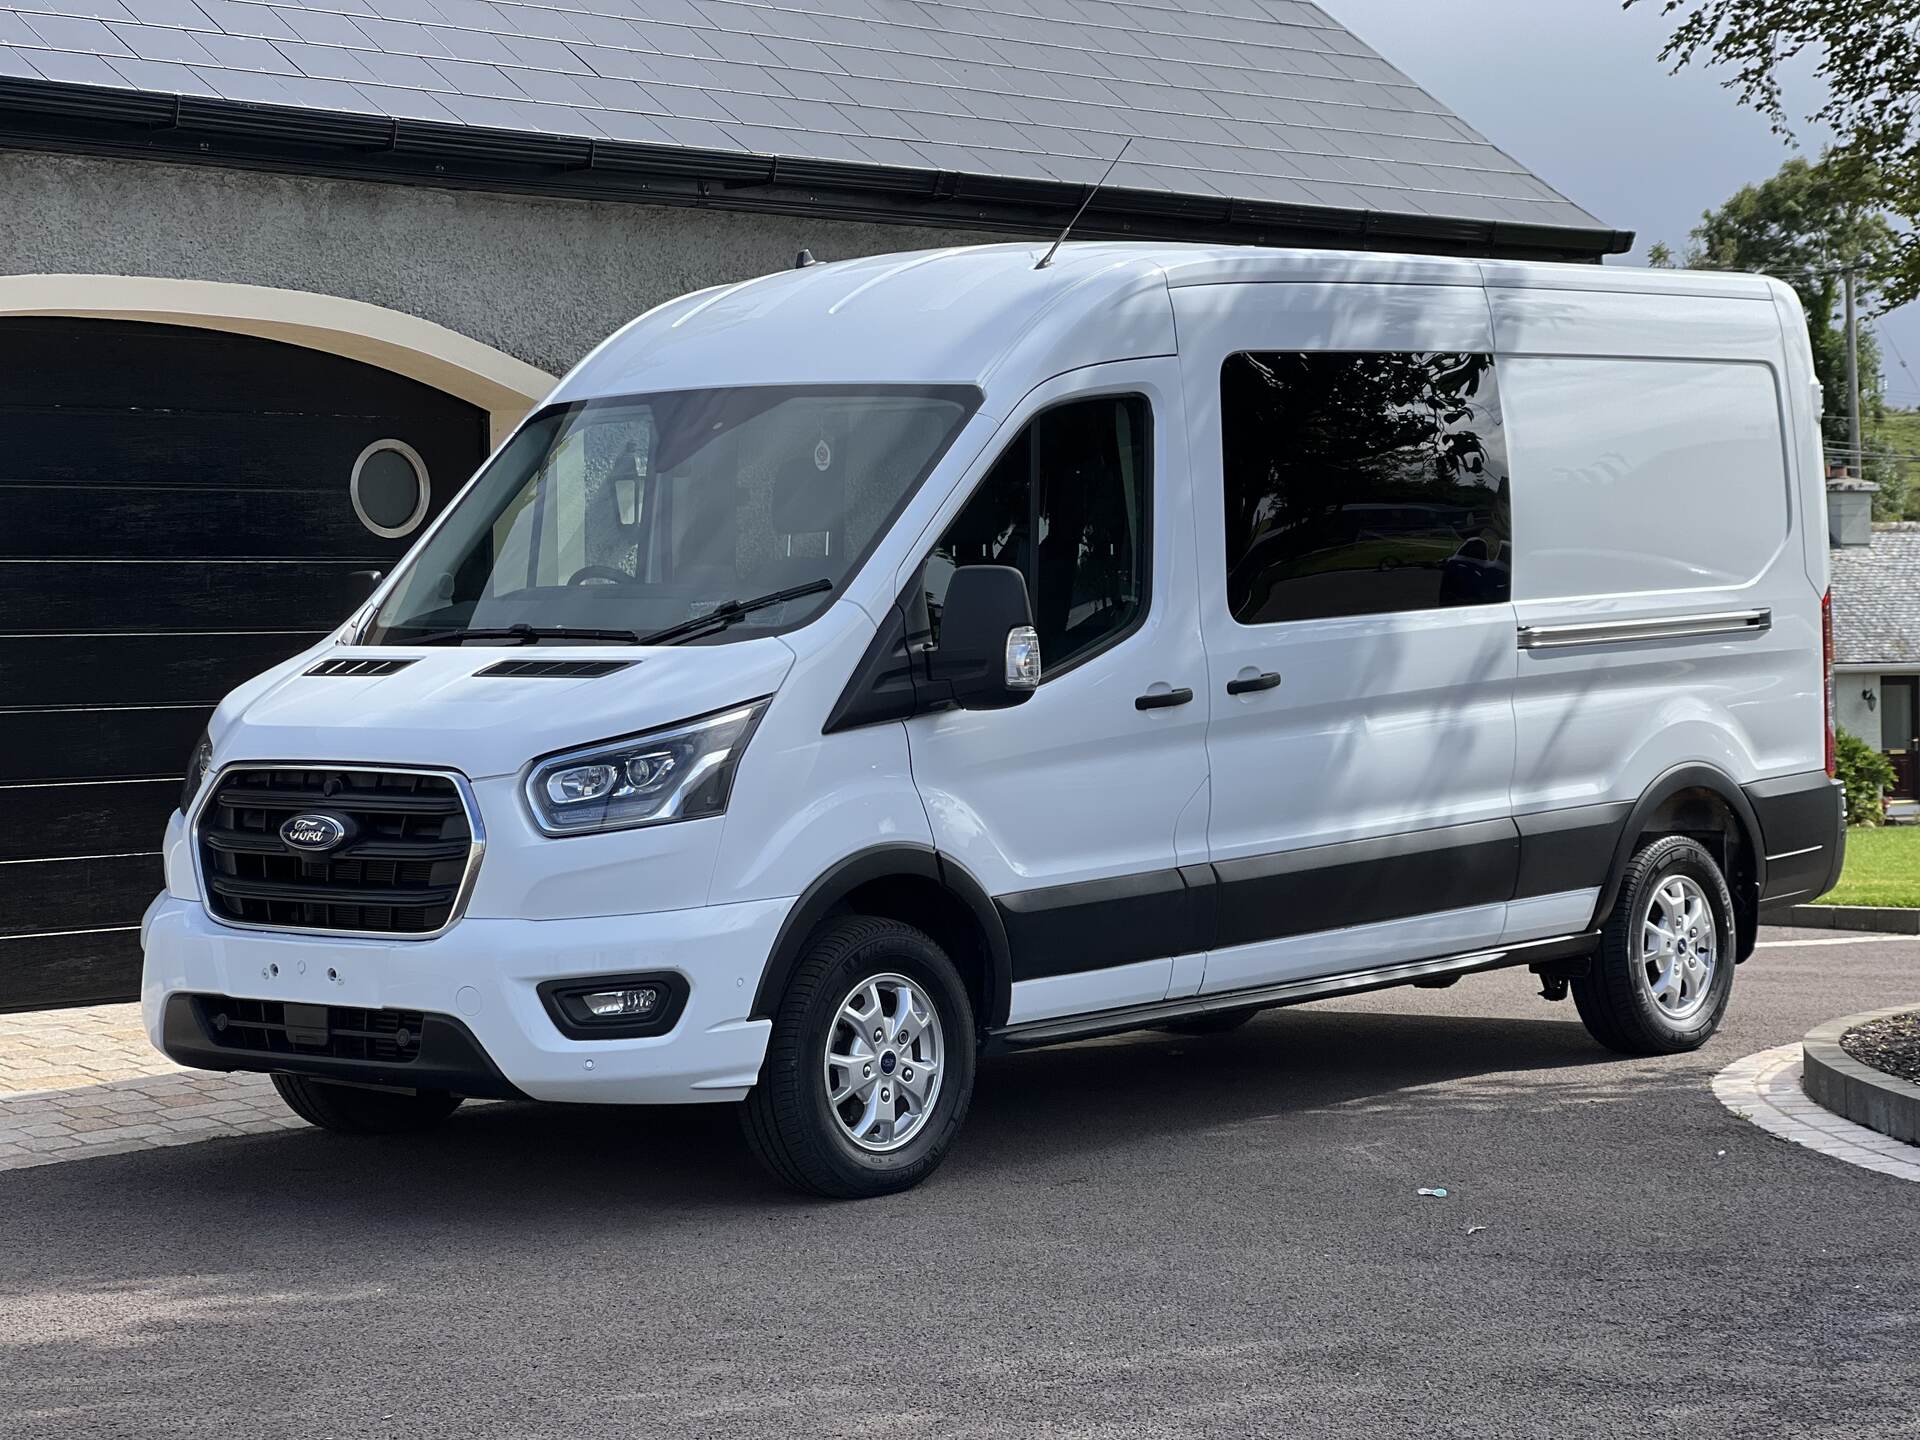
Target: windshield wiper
730	611
524	634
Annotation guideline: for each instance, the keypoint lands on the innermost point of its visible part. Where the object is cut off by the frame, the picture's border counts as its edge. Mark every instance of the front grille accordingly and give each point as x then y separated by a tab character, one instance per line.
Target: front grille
342	1032
398	870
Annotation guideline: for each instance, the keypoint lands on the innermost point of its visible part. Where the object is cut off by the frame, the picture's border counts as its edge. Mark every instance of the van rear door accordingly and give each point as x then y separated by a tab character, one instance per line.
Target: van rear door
1667	618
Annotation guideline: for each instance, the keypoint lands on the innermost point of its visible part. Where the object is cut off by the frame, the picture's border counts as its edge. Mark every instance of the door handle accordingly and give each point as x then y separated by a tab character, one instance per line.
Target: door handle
1267	680
1165	700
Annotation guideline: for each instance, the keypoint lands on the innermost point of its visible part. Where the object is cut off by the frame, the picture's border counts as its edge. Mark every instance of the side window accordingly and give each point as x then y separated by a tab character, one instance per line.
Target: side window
1362	483
1605	444
1066	504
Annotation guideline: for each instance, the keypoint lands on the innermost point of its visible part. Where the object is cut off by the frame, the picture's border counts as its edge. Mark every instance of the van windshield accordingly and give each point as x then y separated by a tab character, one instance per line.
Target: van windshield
633	516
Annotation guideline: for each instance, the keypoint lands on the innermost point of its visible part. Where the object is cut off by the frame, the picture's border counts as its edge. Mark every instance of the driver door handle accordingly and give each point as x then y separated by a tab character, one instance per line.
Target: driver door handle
1163	700
1268	680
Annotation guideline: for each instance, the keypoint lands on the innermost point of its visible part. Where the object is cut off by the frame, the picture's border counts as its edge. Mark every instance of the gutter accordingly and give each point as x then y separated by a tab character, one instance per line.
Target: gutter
185	129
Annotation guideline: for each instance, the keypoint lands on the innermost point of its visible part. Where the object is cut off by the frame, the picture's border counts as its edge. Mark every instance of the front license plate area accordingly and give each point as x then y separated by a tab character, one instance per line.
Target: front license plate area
306	1025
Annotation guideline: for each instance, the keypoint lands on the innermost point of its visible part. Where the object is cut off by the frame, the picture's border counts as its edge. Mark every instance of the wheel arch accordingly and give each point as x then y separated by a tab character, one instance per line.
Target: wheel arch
920	887
1701	801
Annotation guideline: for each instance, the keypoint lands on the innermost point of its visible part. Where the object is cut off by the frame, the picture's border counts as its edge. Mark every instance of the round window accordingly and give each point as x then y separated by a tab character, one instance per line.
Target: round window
390	489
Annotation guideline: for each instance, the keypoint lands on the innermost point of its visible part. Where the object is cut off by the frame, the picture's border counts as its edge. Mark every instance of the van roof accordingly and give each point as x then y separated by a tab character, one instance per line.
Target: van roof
971	314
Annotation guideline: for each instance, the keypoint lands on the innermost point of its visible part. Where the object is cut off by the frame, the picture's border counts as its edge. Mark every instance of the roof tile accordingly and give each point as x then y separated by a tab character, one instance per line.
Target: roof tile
1249	99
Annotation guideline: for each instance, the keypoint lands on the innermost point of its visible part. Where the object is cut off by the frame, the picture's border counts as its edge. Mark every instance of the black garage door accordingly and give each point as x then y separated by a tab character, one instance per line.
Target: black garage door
182	508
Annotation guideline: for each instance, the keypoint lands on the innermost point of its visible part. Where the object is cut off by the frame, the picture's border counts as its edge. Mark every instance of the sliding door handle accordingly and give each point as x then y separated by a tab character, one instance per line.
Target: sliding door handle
1268	680
1163	700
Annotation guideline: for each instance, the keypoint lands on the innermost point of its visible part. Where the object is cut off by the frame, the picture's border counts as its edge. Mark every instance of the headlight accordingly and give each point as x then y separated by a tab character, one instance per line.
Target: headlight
198	763
682	773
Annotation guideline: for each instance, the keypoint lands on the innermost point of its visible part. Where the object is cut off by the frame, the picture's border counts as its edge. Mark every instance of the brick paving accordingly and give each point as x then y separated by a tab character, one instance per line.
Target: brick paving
79	1083
1765	1088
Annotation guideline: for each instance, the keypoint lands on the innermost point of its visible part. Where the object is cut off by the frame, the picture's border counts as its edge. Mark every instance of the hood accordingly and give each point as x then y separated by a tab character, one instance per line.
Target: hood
438	710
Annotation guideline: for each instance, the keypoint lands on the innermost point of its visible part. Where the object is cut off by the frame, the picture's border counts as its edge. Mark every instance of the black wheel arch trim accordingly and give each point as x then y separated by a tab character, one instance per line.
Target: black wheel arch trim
882	862
1664	787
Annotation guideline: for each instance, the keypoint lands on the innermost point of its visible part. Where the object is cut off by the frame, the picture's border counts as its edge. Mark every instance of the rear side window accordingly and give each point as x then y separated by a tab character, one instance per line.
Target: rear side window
1644	475
1362	483
1066	504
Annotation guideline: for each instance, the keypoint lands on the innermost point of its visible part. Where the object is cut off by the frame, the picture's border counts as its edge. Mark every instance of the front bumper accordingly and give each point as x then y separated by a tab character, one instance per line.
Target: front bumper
484	975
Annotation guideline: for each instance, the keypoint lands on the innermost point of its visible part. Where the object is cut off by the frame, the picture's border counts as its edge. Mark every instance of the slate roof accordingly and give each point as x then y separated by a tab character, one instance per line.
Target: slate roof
1876	598
1251	100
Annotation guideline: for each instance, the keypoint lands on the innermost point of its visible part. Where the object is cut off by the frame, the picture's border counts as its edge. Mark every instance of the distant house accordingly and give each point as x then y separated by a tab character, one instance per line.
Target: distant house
1876	629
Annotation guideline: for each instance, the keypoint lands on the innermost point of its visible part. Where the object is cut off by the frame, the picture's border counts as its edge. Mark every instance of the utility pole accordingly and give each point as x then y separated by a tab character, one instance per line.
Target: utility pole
1856	457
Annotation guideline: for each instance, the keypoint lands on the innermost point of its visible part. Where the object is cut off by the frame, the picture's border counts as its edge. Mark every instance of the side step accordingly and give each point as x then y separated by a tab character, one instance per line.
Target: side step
1293	992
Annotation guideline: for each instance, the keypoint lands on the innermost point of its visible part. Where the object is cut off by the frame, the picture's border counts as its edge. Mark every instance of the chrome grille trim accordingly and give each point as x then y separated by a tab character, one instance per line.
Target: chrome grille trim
210	788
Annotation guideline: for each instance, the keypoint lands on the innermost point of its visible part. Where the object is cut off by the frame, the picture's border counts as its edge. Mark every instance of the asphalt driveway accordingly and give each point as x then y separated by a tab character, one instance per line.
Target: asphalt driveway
1139	1236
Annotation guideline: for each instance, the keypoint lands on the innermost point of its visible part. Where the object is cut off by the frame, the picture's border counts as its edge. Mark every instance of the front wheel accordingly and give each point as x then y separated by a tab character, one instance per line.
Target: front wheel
869	1070
1664	972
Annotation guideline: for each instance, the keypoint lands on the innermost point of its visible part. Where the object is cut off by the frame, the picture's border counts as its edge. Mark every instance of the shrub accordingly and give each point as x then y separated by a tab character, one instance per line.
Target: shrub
1867	777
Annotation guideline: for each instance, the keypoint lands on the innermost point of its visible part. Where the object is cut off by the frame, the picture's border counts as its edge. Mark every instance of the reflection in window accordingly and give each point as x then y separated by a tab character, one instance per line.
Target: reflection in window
1362	483
1066	505
638	513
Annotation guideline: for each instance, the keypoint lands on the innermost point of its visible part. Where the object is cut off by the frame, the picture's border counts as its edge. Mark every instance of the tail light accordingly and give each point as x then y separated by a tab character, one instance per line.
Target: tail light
1826	671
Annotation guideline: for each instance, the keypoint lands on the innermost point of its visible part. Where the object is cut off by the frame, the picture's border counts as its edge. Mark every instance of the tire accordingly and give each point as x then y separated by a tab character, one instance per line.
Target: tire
1214	1022
357	1110
1619	999
790	1119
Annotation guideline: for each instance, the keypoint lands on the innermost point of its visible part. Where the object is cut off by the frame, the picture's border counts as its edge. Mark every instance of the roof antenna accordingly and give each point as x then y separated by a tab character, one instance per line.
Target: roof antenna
1047	259
804	259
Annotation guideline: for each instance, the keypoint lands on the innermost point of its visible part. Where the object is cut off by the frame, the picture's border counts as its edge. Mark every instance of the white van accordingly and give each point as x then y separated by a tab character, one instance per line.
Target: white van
859	670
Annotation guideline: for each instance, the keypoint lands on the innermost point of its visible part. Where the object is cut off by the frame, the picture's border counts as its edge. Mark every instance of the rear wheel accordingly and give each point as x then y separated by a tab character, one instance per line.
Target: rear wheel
1664	971
869	1070
359	1110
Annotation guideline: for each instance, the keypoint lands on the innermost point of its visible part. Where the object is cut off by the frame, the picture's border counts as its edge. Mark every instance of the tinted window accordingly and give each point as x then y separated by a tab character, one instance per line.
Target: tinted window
1362	483
1066	505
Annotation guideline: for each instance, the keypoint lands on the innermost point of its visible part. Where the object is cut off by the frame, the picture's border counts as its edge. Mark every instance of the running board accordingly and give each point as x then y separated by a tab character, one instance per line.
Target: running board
1293	992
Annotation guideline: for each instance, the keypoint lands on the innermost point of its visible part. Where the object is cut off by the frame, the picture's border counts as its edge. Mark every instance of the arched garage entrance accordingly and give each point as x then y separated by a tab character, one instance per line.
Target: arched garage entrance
183	507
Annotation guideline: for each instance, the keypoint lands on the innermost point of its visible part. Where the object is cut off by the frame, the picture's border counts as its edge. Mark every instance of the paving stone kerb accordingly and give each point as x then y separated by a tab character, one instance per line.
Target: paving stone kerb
1863	1094
1883	919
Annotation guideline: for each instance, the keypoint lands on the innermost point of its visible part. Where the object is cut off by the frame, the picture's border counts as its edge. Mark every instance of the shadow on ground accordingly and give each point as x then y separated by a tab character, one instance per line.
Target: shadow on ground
1151	1234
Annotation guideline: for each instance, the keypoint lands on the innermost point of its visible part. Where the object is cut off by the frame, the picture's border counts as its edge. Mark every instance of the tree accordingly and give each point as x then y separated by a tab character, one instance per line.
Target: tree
1869	67
1806	225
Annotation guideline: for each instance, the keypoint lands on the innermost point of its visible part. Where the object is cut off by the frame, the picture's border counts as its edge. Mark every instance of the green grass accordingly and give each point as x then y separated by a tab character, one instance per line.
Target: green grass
1883	868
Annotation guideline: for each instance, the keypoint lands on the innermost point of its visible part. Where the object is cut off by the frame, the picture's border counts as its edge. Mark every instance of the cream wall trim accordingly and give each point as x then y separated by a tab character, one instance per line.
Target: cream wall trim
504	387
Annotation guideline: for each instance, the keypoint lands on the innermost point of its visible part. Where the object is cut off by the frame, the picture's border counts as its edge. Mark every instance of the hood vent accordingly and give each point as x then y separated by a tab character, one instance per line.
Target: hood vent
552	669
362	665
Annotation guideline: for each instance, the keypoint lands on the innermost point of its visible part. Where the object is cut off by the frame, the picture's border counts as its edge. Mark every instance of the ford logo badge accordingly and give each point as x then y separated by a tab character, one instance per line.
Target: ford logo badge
313	832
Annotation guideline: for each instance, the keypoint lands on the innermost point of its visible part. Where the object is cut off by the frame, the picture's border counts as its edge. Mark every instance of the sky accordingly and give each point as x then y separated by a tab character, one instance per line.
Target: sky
1575	90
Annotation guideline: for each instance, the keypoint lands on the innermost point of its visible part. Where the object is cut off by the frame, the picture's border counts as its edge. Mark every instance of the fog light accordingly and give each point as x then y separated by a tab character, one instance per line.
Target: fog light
615	1007
635	1004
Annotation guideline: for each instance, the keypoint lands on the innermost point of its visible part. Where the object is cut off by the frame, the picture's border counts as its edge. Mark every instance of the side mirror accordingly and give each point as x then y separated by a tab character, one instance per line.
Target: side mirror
988	657
362	583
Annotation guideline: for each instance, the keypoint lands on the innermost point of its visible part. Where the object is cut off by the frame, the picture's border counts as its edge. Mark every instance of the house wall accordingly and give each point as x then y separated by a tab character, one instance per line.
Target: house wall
540	279
1851	711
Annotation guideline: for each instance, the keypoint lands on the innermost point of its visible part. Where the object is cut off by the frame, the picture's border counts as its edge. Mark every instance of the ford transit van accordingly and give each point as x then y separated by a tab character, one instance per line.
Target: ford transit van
857	671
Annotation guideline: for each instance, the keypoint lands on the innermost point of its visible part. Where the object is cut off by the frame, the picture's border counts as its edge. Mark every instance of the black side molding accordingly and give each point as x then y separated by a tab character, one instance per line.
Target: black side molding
1548	956
1664	788
1803	831
883	862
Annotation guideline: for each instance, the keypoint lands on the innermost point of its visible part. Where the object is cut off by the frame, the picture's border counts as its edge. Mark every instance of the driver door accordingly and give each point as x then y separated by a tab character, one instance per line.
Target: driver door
1076	810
